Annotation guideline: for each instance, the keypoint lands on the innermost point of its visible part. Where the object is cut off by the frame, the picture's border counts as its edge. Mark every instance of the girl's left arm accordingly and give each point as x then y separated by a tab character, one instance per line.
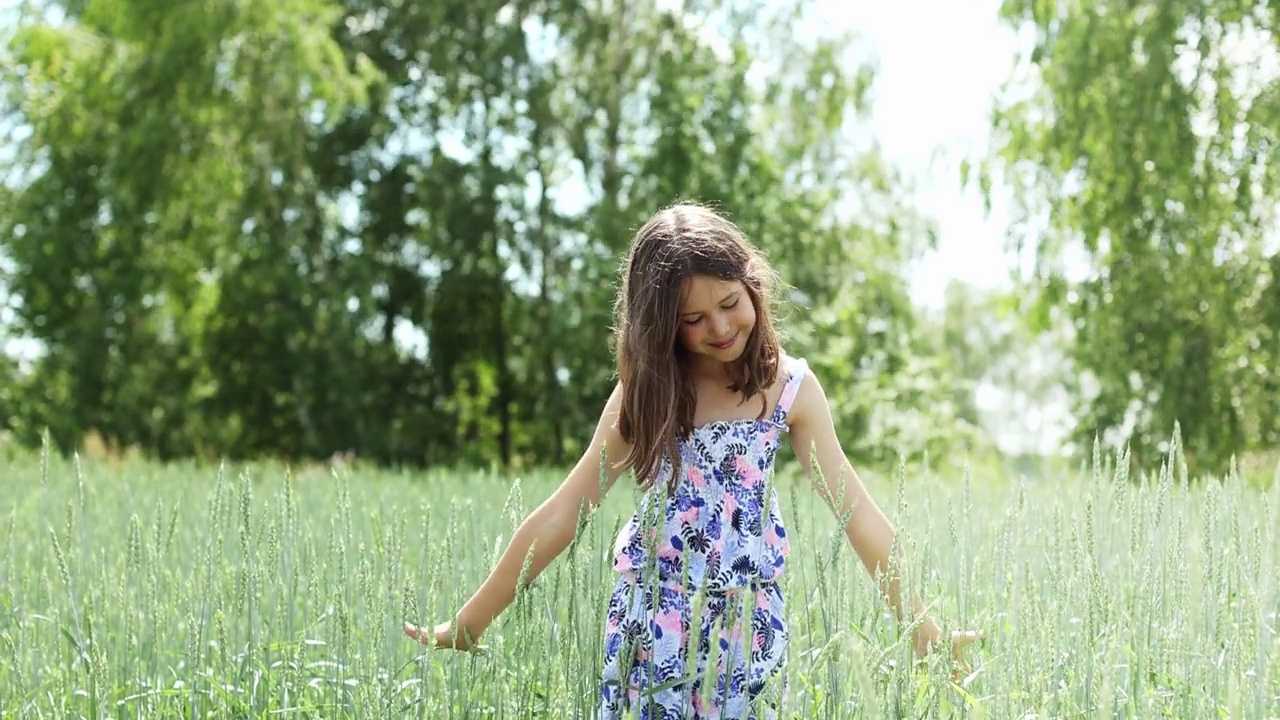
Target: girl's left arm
813	437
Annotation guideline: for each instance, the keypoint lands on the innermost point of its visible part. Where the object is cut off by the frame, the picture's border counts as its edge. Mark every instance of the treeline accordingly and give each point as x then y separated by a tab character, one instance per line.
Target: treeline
296	228
240	229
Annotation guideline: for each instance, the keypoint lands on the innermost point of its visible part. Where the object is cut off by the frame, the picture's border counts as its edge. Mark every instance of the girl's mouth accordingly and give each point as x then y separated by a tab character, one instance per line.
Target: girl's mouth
726	344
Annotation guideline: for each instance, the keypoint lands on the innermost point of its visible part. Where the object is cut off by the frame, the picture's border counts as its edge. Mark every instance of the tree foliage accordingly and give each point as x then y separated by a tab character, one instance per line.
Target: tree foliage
1144	156
300	227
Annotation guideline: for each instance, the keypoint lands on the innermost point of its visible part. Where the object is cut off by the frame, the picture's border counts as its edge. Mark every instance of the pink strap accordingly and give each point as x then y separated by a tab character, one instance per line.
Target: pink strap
796	372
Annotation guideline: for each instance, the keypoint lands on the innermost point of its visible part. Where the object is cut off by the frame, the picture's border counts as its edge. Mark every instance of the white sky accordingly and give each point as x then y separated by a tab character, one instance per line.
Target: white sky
939	64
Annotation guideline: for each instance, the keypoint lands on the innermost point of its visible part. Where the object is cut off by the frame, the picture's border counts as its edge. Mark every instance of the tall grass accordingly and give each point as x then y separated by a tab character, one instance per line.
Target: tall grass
197	591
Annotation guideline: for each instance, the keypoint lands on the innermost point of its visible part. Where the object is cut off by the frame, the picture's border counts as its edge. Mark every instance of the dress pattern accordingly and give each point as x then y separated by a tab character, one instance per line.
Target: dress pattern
696	623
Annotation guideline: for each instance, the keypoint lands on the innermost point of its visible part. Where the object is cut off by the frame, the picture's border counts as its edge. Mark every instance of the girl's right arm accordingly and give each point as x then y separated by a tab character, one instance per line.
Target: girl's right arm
543	535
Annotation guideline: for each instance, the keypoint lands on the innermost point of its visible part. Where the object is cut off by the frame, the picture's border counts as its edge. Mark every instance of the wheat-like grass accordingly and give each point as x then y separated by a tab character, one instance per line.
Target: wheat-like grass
196	591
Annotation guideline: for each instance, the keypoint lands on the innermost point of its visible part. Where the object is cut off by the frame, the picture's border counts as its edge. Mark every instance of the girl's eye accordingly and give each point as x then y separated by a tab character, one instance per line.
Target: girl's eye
693	322
733	305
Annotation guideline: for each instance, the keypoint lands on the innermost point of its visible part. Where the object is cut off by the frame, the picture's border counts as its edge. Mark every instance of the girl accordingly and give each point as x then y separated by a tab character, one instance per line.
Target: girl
696	624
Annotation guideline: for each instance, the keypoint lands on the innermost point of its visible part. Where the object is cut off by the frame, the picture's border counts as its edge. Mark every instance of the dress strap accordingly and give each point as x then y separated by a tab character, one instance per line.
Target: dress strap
796	370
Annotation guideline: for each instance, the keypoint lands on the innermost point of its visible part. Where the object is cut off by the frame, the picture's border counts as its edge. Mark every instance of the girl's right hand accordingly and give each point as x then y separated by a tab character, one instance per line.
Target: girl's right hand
442	636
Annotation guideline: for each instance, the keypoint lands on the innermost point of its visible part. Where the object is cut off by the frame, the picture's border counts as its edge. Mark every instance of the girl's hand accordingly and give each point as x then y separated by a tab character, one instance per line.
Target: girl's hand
442	636
929	639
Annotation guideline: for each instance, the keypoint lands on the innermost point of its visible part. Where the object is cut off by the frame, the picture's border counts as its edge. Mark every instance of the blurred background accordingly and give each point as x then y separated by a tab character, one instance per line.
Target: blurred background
390	229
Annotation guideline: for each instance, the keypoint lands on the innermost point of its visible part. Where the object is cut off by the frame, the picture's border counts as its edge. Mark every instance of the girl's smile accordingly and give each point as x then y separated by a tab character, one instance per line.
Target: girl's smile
726	344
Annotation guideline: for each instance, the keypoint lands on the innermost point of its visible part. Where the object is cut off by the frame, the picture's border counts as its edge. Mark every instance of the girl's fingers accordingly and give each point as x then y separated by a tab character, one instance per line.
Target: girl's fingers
961	638
427	636
441	636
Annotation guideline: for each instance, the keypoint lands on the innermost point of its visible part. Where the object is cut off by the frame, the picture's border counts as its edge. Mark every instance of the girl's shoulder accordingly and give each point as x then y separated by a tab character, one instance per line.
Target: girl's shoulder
801	388
790	379
792	368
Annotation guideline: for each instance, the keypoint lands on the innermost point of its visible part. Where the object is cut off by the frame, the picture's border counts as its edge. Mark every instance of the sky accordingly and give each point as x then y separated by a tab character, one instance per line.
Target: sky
940	63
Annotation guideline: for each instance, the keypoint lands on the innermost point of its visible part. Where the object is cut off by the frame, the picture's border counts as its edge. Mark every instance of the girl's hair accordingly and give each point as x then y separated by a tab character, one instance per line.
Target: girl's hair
658	396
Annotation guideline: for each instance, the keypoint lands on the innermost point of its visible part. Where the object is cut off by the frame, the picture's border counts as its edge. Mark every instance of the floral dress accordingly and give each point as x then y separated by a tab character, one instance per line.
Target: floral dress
695	626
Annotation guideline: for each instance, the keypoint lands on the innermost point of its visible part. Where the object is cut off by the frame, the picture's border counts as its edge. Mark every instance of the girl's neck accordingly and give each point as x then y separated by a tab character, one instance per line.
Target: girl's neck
712	371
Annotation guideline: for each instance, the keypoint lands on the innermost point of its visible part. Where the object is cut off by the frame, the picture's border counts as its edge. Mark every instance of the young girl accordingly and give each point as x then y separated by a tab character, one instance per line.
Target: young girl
696	623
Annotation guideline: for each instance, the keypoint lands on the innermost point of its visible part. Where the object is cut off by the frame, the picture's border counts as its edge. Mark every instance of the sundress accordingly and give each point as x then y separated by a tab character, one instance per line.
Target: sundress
716	549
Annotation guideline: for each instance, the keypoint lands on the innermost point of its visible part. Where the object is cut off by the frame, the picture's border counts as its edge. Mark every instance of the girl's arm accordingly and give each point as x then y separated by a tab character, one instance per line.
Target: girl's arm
547	531
813	437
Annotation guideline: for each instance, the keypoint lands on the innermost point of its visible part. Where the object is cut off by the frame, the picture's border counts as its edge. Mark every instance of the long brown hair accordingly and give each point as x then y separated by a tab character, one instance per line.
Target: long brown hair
658	395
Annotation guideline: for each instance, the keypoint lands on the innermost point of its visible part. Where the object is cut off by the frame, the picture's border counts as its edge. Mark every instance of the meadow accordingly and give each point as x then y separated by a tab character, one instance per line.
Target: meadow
139	590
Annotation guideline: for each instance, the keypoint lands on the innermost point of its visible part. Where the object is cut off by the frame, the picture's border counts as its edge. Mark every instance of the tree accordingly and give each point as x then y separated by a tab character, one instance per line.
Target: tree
1144	143
164	139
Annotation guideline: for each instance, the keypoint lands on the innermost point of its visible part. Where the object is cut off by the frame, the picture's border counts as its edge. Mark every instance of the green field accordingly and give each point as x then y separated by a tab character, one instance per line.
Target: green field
197	591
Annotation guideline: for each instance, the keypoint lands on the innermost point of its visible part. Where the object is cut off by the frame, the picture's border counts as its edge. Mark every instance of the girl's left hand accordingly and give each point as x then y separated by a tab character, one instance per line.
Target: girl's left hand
442	636
929	637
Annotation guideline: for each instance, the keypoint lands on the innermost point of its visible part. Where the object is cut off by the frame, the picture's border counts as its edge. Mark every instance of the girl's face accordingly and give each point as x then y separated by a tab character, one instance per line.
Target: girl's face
716	318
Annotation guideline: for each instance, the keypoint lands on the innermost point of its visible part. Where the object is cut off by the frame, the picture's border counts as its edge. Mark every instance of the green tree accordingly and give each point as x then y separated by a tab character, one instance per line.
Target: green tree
164	138
1144	145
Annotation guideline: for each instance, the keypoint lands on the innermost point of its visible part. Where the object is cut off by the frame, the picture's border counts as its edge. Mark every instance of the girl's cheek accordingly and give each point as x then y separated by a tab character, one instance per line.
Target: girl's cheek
688	335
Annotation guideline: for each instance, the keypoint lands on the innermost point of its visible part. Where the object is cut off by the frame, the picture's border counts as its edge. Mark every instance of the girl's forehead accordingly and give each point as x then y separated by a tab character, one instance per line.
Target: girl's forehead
703	290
